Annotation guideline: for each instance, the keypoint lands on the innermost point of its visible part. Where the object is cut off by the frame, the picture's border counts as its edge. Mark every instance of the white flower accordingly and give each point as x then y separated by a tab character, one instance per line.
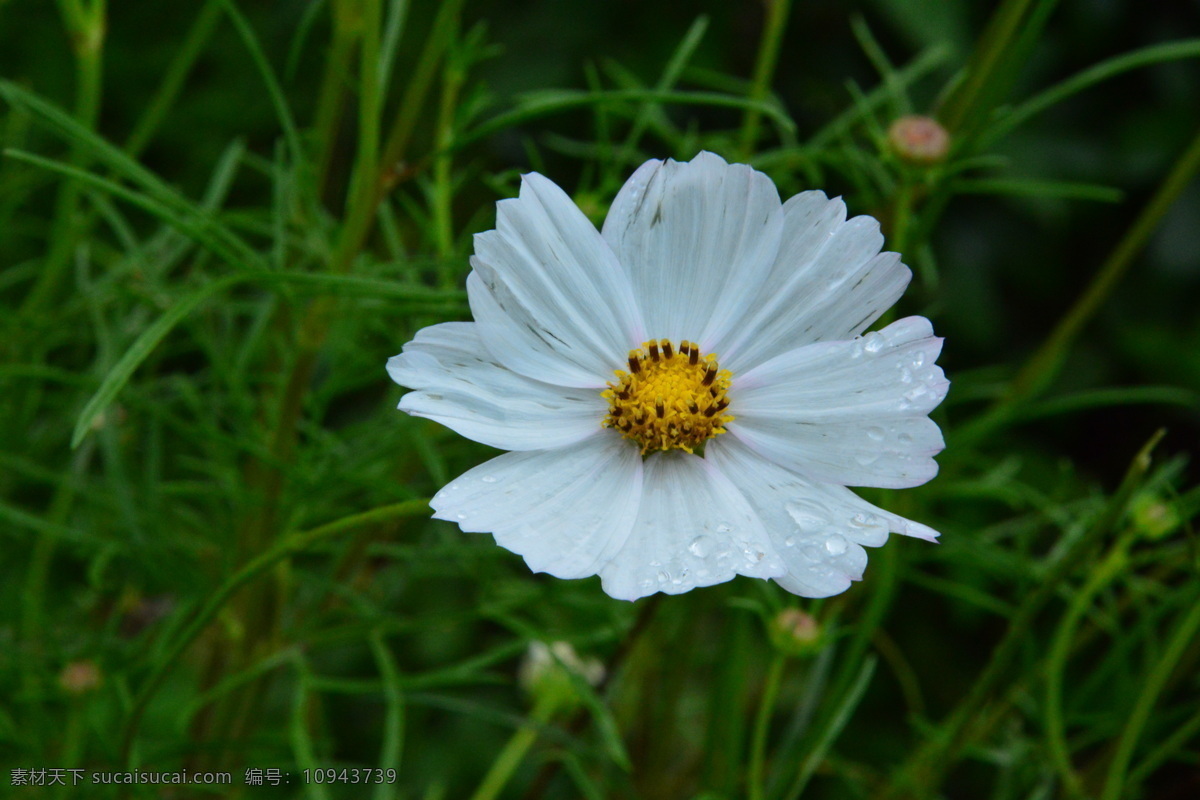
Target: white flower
687	393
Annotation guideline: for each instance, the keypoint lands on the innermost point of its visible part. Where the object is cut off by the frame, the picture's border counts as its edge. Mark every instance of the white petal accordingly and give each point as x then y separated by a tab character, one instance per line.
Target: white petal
817	529
567	511
828	282
693	529
459	385
850	412
697	240
550	298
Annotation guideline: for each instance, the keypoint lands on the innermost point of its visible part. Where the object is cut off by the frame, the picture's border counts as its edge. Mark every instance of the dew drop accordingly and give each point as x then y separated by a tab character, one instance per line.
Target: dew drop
872	342
836	545
866	459
724	527
789	541
905	438
876	433
805	520
488	479
699	546
663	576
460	515
906	375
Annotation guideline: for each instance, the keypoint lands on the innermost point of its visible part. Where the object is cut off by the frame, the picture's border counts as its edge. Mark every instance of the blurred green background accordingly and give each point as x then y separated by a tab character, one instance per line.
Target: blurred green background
218	220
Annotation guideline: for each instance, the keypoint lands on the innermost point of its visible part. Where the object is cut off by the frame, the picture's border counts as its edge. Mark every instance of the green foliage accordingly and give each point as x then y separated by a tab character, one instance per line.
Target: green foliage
218	219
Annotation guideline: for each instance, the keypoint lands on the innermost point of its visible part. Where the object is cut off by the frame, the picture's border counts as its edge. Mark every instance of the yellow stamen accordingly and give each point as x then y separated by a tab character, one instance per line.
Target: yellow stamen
669	399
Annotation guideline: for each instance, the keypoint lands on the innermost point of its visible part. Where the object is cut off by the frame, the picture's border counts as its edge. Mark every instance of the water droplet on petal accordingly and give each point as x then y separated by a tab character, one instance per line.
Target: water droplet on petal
866	459
905	438
789	541
724	527
906	375
663	577
488	479
836	545
699	546
805	520
876	433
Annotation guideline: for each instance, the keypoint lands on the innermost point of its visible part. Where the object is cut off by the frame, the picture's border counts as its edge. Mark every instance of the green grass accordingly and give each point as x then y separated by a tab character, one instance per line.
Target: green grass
217	221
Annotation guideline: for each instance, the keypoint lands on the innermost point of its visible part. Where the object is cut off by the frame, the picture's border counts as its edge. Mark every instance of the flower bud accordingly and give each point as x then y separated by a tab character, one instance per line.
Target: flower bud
546	673
919	140
80	677
795	633
1154	517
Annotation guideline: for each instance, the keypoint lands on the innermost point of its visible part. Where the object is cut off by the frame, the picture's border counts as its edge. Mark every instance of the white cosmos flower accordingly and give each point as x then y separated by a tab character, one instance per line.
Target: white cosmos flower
686	393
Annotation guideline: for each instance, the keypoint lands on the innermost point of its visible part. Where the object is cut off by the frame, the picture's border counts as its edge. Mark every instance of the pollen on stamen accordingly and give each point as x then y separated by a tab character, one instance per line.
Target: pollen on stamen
667	403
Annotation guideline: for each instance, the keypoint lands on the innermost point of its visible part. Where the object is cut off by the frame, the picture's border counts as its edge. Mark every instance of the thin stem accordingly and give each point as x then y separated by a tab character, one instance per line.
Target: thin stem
370	109
513	753
86	25
1041	369
1003	27
640	624
173	79
331	96
443	178
1056	739
1114	785
764	69
758	747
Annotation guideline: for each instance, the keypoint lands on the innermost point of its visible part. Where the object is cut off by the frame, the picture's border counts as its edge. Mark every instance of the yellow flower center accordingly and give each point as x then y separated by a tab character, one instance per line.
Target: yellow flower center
669	399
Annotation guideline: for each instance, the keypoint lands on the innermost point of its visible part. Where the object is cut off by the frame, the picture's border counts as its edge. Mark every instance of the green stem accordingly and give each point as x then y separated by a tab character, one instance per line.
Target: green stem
1060	649
1041	369
173	80
86	26
764	69
443	178
1003	27
370	105
1114	785
514	751
758	748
